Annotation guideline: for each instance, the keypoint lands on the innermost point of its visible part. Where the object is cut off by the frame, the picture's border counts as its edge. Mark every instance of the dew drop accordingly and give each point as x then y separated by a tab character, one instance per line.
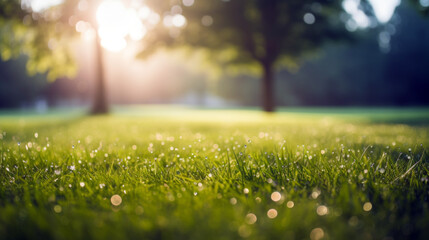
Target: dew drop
272	213
251	218
116	200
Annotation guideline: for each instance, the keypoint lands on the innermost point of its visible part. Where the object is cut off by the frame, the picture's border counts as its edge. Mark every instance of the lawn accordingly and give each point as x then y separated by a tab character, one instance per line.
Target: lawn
179	173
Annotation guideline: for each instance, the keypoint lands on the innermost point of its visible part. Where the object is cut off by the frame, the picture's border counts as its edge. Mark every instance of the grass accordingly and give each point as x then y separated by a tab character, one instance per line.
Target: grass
170	173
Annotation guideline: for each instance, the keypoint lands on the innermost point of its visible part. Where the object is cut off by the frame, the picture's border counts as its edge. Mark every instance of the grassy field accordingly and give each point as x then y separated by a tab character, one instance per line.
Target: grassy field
172	173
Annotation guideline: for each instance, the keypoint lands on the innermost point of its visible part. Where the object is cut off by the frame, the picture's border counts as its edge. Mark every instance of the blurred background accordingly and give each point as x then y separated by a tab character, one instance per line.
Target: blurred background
385	63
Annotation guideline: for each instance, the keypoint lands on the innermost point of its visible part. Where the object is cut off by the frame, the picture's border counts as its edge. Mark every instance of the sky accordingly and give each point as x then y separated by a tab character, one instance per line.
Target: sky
384	9
40	5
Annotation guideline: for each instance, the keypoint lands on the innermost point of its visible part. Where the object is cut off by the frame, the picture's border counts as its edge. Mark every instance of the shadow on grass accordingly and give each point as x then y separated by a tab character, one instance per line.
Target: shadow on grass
414	116
414	122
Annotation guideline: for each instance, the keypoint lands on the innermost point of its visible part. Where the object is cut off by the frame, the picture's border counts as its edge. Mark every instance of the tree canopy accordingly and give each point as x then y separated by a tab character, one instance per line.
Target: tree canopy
44	37
262	33
258	30
265	33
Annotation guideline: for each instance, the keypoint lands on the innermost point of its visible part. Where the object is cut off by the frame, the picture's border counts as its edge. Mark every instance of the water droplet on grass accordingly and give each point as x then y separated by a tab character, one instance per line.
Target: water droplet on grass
315	194
251	218
272	213
322	210
367	207
316	234
57	209
116	200
276	196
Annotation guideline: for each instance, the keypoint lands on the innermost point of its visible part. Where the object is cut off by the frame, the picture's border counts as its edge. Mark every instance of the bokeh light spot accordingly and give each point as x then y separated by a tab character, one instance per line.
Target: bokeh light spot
116	200
317	233
272	213
251	218
207	20
188	3
367	207
276	196
322	210
309	18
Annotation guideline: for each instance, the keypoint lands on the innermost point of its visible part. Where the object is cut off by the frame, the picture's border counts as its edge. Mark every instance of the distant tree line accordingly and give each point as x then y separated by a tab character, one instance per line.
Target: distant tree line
362	74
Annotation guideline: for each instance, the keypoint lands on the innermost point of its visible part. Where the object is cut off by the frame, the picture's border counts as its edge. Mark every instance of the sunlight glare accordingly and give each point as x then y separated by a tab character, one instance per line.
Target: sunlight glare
384	9
168	21
136	30
188	3
39	5
144	12
359	18
116	23
114	44
179	20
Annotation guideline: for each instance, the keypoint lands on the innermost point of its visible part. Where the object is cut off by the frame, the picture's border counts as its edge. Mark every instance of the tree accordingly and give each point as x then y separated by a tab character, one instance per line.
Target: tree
262	33
40	36
46	36
407	61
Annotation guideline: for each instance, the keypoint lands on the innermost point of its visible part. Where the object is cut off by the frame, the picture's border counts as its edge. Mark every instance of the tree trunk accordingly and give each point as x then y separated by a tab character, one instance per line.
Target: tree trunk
100	105
268	88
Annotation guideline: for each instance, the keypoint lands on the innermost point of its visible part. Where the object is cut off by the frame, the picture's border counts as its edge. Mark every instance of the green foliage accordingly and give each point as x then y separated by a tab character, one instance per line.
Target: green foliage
202	174
44	38
262	34
256	31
